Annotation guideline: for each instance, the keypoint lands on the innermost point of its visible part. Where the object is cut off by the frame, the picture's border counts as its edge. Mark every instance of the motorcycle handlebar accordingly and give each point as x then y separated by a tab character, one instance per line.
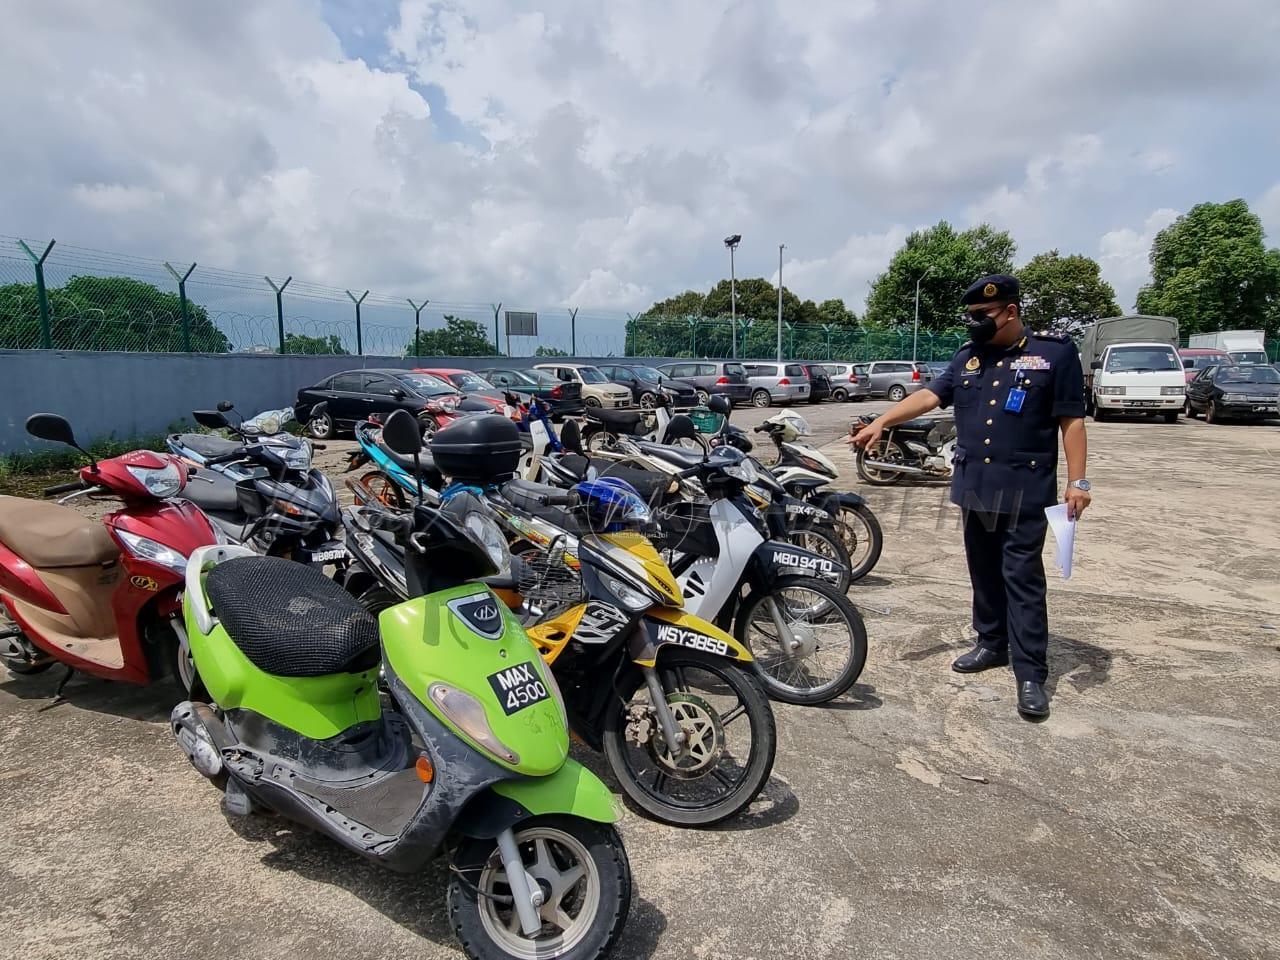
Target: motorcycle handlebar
227	457
558	500
58	488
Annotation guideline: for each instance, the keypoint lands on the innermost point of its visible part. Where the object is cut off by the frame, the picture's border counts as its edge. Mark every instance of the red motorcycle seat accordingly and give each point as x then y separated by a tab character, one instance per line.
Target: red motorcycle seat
49	536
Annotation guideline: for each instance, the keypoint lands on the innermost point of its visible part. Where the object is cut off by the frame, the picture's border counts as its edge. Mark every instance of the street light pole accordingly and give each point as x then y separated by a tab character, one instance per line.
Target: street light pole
781	247
915	337
732	243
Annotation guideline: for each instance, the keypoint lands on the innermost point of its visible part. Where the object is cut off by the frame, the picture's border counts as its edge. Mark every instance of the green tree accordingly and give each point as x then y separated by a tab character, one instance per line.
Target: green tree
329	346
835	312
948	261
1064	293
550	352
106	313
1211	271
687	304
457	338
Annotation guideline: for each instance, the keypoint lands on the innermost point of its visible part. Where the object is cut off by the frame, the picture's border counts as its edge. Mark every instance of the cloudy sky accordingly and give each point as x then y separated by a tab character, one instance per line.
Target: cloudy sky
596	154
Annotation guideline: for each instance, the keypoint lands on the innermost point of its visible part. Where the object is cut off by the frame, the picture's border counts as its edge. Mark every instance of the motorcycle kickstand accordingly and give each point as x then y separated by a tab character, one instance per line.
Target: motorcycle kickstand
62	685
675	737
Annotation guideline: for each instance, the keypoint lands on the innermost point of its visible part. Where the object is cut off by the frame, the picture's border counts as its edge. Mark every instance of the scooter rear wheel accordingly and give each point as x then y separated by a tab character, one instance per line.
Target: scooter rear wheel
584	874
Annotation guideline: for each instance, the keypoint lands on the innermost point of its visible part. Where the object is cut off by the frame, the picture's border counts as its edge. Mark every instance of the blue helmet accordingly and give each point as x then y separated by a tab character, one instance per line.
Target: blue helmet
613	504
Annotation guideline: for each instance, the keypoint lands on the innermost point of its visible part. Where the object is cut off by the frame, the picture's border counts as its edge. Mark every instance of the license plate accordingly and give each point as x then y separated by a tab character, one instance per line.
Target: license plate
329	556
518	687
1263	408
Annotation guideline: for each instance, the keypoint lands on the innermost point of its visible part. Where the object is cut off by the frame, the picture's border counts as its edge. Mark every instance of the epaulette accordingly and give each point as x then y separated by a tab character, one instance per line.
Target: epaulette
1055	337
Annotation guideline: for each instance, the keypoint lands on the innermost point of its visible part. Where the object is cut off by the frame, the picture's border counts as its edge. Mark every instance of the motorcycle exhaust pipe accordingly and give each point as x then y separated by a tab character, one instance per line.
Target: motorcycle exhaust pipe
899	468
193	725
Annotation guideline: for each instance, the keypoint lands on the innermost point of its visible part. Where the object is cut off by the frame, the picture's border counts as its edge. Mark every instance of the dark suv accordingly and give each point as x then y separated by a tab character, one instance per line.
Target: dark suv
354	394
647	382
819	383
728	378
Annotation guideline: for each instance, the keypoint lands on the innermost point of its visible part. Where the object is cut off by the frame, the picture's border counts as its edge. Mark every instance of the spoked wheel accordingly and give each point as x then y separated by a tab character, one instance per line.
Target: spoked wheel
862	538
322	427
730	733
824	540
381	489
808	640
600	441
646	401
429	428
583	873
703	397
884	451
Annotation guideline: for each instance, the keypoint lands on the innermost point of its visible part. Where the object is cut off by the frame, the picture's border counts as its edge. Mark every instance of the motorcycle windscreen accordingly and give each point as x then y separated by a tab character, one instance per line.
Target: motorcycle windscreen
463	654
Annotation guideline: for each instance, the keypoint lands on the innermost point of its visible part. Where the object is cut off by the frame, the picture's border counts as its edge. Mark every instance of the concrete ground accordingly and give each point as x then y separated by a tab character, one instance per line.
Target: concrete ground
917	817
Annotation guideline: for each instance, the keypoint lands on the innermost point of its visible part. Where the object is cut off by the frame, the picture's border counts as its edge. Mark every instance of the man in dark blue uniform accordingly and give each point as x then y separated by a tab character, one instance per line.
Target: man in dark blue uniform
1013	393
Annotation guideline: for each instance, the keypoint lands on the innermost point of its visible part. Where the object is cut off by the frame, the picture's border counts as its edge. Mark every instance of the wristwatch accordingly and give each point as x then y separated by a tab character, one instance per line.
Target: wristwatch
1081	484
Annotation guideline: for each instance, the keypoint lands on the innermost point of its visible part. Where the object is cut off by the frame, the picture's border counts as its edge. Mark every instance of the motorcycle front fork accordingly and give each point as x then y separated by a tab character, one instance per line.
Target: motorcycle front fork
525	891
677	741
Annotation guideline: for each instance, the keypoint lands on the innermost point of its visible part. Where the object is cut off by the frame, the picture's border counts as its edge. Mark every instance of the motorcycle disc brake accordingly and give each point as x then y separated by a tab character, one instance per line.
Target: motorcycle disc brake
704	732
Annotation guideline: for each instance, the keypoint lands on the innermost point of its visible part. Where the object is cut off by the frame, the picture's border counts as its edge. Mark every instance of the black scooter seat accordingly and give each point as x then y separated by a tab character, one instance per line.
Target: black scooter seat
619	421
406	460
290	620
918	425
681	457
207	445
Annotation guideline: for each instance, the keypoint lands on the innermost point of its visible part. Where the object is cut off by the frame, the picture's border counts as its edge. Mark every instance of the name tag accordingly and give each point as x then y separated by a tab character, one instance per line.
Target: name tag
1013	403
1030	363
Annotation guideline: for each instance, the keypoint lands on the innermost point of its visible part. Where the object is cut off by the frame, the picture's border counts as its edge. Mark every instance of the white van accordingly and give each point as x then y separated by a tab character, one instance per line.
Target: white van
1138	378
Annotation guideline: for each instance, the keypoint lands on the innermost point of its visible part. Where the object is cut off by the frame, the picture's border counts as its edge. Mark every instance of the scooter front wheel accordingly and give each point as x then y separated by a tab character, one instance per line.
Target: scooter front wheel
582	870
808	640
730	736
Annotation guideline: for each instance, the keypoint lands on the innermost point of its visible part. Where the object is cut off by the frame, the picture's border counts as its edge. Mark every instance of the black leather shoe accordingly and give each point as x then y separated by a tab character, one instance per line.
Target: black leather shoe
1032	700
980	658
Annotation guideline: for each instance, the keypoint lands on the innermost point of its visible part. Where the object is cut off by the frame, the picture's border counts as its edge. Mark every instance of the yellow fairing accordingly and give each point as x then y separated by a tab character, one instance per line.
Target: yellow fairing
552	636
649	563
689	622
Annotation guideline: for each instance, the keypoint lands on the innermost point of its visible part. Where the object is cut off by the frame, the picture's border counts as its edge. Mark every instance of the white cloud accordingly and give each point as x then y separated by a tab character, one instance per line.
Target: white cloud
597	154
1268	209
1123	255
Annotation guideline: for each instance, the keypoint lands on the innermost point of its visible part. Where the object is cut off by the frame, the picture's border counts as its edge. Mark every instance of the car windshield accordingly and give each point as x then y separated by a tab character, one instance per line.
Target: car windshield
592	375
1199	363
471	381
1256	374
1142	359
541	378
1250	356
646	373
425	384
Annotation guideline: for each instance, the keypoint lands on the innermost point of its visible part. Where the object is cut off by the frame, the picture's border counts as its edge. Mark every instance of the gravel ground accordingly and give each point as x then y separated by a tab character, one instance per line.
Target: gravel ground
917	817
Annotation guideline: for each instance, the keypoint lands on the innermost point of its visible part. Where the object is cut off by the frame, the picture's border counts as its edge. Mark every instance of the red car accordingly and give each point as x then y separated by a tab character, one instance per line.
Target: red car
1200	358
469	384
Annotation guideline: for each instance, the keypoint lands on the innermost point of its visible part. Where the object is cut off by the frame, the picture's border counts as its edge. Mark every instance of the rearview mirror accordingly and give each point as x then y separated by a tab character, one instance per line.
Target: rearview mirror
225	405
212	419
1096	365
397	393
401	434
50	426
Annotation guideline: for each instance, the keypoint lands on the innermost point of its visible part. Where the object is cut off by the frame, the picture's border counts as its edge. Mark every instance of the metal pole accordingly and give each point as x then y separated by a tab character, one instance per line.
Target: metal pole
573	333
279	307
627	335
781	247
182	301
497	344
915	338
42	298
359	331
733	301
417	325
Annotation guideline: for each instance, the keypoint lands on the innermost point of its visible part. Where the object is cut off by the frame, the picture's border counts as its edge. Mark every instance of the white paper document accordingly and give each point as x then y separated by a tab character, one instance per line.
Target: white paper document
1064	534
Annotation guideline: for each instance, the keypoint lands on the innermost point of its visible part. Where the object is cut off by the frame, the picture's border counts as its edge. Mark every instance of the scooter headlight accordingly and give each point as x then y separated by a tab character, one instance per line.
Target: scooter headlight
745	470
149	550
626	595
487	533
160	482
297	458
467	714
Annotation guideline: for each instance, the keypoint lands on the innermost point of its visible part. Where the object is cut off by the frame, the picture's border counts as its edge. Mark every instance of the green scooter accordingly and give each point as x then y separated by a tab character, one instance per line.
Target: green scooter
467	755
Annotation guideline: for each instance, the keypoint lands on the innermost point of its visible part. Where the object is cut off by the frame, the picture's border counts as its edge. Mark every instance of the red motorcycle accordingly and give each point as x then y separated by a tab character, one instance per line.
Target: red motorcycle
103	598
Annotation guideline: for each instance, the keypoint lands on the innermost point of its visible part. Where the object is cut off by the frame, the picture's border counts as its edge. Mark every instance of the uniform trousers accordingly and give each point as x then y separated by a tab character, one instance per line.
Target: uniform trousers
1006	569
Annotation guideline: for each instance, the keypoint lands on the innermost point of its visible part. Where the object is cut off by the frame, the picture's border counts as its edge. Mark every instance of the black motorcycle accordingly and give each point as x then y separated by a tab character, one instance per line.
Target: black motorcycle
260	489
921	449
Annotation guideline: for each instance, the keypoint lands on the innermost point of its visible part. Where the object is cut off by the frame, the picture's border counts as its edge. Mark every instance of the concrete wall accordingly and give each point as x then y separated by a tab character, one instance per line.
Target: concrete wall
125	395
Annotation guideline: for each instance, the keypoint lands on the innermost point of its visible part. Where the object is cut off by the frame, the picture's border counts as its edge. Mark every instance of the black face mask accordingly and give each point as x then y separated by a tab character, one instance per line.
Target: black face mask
981	331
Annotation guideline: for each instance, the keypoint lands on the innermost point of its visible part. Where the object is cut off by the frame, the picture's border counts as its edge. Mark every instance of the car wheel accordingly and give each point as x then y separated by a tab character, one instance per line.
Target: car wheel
646	400
591	401
760	398
322	427
1211	414
1171	416
839	396
897	392
1188	410
703	397
1099	415
429	428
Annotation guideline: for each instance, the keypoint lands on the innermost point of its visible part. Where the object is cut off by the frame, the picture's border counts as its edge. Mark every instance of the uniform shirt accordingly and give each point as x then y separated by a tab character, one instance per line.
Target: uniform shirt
1006	460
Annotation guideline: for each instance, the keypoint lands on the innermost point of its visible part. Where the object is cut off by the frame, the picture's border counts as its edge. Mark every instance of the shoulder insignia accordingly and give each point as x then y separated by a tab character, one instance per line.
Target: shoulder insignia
1053	337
